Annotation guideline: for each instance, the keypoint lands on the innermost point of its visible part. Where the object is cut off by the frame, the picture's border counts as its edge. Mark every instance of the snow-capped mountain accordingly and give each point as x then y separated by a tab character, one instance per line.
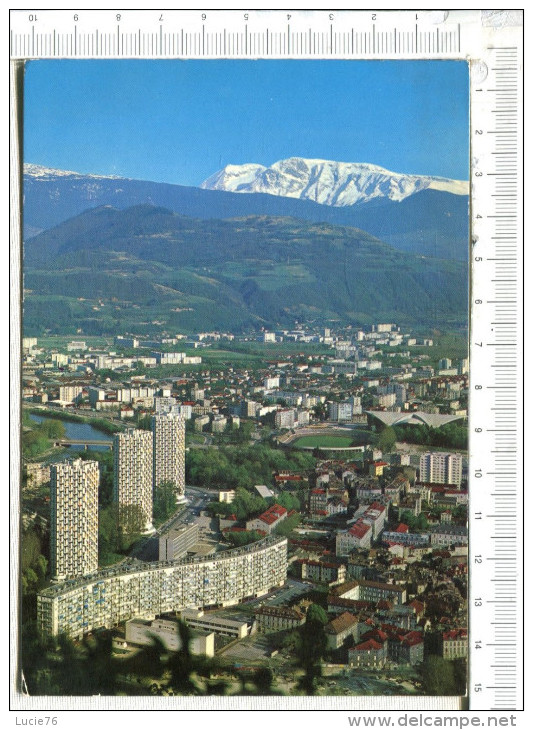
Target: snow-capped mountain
434	222
327	182
48	173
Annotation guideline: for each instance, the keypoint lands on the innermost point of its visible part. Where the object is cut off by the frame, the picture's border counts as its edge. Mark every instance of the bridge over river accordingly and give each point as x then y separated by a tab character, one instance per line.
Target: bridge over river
108	443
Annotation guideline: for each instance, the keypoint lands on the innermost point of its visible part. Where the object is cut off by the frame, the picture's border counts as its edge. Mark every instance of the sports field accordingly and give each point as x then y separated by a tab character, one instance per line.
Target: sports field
332	441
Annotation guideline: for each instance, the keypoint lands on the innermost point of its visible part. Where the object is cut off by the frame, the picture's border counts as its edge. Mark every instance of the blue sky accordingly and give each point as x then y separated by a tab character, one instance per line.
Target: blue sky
181	121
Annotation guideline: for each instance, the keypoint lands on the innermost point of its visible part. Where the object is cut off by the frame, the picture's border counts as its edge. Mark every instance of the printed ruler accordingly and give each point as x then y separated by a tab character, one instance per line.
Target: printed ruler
496	393
231	34
492	41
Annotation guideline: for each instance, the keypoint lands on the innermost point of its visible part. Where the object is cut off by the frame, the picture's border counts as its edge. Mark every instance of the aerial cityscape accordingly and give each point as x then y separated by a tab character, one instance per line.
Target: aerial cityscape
244	389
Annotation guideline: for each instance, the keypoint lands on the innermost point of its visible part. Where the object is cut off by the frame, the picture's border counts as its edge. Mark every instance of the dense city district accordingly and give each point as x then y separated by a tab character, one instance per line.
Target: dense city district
277	512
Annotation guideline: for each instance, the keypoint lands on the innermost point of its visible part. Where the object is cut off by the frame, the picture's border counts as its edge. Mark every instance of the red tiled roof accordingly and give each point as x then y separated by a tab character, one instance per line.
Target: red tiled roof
455	634
413	638
369	645
402	528
273	514
359	529
376	634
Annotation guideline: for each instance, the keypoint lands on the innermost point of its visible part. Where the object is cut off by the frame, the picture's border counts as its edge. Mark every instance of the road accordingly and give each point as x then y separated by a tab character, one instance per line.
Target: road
189	513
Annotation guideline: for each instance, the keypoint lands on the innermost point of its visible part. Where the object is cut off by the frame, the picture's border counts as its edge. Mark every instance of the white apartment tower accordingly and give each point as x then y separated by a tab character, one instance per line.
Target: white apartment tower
69	393
74	518
169	451
441	468
132	484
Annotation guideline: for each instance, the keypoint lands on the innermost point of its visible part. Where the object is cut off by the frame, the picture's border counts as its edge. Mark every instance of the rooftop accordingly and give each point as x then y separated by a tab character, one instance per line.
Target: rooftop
137	566
341	623
273	514
433	420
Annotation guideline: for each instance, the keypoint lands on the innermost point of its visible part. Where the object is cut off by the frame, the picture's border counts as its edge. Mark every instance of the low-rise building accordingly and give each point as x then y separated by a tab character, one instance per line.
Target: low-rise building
37	474
197	619
372	591
176	543
264	491
368	654
278	618
142	633
267	521
375	515
218	424
359	535
200	422
406	647
340	628
285	418
322	571
227	496
454	644
445	535
402	536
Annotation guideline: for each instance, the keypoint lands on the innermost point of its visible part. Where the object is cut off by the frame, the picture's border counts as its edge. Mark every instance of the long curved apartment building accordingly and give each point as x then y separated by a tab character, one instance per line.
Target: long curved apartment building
145	590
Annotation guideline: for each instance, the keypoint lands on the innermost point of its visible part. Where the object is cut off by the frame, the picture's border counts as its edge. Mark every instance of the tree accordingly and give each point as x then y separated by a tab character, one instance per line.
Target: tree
33	567
242	434
62	668
30	549
409	473
34	443
316	615
52	428
386	440
286	526
408	518
320	411
105	463
420	523
288	500
144	422
132	518
439	677
165	503
312	648
108	538
246	537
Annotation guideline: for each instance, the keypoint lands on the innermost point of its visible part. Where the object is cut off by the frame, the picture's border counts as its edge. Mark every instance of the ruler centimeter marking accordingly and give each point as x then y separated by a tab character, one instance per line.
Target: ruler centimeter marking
495	414
112	35
496	524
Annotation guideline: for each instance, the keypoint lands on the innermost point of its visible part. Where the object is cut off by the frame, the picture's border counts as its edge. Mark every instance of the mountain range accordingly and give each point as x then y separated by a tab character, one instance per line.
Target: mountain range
328	182
425	215
147	268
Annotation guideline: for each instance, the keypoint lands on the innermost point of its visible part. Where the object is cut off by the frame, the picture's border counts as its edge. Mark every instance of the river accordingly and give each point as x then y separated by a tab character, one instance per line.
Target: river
74	430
